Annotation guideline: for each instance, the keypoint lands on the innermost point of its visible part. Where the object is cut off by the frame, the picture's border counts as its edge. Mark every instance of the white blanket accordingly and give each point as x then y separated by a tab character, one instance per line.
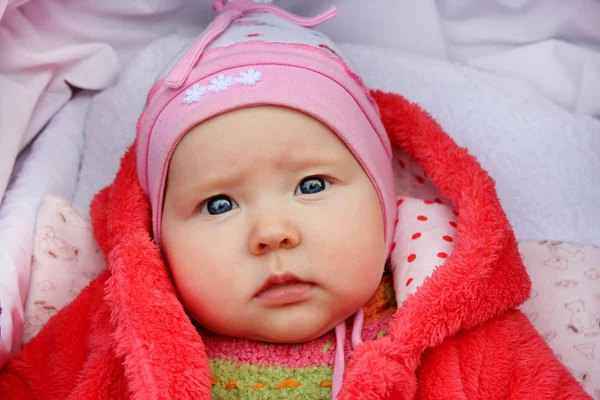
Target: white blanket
544	158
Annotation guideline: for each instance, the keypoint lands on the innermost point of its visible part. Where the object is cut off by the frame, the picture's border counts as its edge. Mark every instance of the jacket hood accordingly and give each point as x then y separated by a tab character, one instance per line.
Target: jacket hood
163	354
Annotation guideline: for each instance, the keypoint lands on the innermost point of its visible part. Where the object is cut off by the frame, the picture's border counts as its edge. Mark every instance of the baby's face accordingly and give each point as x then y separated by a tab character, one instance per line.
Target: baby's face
263	195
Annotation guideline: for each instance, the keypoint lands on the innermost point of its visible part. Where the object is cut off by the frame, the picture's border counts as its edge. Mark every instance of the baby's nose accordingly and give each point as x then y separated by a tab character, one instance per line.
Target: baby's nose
273	235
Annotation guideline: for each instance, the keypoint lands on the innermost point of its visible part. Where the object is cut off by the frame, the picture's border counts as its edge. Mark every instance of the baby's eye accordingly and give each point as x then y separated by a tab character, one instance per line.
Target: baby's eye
312	185
218	205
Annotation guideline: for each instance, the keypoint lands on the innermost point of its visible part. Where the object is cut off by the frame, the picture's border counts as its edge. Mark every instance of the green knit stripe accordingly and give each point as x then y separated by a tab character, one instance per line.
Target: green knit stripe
232	380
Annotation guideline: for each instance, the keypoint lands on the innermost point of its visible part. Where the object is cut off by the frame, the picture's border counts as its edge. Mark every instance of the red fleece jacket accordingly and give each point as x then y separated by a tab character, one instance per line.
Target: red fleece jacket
126	336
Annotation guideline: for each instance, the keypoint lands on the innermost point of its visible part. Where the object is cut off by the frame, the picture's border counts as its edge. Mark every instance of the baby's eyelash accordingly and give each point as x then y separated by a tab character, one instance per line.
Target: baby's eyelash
328	178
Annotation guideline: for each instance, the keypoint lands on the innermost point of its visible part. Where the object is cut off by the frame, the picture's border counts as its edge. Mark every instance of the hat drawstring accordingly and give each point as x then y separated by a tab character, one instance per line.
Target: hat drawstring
226	14
340	338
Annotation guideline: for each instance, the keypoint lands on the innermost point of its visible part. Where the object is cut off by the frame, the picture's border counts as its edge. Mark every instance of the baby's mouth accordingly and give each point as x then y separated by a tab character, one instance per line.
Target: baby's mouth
283	289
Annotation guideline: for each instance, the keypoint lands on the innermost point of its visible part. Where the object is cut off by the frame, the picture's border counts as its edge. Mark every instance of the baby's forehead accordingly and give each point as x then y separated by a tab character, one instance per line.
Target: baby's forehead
263	142
265	133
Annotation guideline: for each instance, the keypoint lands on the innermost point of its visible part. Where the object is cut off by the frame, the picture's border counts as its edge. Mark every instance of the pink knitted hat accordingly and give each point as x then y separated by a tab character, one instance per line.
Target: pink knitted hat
258	54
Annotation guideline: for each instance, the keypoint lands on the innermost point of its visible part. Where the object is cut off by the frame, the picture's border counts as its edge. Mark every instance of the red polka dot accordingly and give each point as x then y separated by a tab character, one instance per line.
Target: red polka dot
402	165
455	212
393	246
409	281
438	200
422	218
442	255
416	236
399	202
420	179
452	224
428	202
396	223
448	239
411	258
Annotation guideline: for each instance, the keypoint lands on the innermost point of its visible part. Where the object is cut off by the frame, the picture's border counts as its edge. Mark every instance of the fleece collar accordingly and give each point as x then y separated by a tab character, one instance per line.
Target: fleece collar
164	355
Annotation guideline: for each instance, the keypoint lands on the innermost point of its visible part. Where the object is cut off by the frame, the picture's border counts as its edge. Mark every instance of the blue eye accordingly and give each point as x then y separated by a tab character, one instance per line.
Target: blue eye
218	205
312	185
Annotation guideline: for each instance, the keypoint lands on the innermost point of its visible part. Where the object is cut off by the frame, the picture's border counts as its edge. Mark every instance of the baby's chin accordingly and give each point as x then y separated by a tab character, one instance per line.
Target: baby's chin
300	334
294	326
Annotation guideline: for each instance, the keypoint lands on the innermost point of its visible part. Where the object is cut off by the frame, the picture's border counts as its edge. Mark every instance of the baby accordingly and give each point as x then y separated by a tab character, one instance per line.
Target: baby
253	219
256	177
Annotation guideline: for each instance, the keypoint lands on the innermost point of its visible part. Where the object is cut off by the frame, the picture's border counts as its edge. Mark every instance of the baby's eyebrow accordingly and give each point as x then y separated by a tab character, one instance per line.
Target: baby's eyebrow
191	191
231	177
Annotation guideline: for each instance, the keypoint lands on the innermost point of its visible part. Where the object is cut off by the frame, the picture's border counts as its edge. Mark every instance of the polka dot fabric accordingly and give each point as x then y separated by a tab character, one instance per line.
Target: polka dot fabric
423	240
410	180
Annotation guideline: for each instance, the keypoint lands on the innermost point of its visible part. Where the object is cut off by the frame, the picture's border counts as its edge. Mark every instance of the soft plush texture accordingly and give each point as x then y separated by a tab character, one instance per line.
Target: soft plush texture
127	336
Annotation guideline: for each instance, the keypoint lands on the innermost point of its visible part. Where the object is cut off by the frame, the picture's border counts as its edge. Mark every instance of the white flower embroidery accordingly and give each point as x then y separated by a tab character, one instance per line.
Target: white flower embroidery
250	77
194	94
220	84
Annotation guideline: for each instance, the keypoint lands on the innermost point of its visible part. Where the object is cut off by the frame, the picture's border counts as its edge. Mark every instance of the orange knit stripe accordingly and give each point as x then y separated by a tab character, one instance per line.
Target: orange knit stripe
288	384
231	385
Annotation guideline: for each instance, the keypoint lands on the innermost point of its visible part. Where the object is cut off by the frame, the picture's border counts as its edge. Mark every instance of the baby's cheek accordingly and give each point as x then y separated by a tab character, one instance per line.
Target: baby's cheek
211	302
204	271
356	260
205	290
355	272
364	275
